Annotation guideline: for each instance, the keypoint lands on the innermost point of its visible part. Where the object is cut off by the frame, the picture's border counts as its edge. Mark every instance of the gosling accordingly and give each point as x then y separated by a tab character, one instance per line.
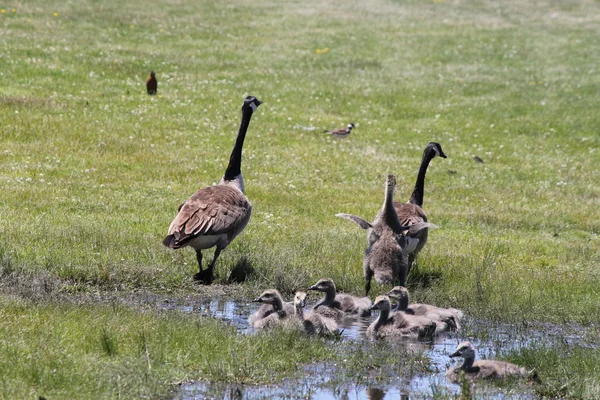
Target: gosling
482	369
447	319
273	298
397	323
313	323
338	305
267	309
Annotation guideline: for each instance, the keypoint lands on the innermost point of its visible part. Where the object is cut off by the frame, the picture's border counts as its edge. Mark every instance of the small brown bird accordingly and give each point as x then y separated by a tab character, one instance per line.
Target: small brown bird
152	84
342	132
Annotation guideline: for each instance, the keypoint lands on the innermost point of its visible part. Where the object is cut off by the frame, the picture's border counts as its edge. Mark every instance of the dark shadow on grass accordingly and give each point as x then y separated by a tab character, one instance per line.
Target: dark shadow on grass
242	270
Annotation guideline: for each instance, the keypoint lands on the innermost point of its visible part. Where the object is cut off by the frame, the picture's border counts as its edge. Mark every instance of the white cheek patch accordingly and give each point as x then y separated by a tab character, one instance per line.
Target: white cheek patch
437	151
254	106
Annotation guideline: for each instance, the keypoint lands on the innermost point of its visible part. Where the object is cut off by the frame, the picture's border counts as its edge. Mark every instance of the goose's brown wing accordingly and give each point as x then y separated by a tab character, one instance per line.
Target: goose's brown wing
409	214
214	210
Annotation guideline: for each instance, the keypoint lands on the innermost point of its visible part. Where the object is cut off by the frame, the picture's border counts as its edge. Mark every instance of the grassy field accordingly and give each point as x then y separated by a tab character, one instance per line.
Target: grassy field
92	169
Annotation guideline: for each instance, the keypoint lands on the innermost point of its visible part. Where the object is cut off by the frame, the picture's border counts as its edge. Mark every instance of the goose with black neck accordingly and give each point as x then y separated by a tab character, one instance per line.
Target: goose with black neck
215	215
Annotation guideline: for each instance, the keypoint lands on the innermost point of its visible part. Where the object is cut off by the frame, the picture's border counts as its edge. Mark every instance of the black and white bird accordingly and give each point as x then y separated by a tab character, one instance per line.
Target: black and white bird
215	215
342	132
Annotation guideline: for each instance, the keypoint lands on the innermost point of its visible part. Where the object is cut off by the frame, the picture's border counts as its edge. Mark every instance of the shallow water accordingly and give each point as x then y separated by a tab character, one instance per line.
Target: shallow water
322	381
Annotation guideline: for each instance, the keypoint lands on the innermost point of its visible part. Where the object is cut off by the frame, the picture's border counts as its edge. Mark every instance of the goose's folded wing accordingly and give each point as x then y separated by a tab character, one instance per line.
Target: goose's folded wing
213	210
409	214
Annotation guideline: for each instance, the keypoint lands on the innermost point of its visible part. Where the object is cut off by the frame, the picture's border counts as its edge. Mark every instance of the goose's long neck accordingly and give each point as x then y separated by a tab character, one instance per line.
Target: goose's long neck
233	173
299	311
402	304
329	297
419	190
384	313
388	212
467	363
278	304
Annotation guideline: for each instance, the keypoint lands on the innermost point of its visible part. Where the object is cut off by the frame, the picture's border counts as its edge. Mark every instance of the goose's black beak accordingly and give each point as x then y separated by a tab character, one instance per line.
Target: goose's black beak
455	354
257	300
313	287
442	154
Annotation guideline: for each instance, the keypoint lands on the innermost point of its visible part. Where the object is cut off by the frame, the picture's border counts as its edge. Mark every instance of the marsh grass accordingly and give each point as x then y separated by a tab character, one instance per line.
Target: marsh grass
106	351
92	170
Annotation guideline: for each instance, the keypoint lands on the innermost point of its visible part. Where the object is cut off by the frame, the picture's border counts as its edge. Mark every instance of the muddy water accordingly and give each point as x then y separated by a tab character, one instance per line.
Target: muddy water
326	381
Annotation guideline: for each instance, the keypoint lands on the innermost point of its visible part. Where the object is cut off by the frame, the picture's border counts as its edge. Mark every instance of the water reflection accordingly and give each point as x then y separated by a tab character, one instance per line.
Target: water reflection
326	381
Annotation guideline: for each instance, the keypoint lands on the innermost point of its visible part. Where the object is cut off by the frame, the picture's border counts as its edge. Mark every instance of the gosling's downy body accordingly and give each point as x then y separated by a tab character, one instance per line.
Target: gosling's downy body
447	319
313	323
337	305
481	369
411	213
215	215
272	298
386	258
267	309
397	324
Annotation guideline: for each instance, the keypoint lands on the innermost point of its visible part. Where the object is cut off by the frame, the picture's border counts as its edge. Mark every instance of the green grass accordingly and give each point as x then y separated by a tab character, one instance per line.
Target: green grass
92	170
62	351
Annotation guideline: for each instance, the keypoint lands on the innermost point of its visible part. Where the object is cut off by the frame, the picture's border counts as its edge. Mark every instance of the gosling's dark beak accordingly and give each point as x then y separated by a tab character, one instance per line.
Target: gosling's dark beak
257	300
374	307
313	287
455	354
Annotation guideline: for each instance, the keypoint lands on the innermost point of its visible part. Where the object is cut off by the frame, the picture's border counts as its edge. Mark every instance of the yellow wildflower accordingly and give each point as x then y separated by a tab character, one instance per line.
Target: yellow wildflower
2	11
318	51
14	10
326	49
55	14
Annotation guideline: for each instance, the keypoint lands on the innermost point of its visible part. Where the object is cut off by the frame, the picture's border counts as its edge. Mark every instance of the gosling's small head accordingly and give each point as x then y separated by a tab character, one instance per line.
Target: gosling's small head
464	350
269	296
300	298
381	303
436	148
323	285
398	293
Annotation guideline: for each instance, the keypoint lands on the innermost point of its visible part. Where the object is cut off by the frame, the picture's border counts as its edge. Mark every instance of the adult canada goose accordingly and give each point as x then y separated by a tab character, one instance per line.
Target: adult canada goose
152	84
215	215
336	305
385	257
447	319
273	298
313	323
411	213
480	369
342	132
397	324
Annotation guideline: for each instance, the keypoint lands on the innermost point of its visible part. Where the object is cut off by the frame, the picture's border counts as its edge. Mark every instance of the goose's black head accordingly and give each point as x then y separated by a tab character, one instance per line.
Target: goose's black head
434	149
251	103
